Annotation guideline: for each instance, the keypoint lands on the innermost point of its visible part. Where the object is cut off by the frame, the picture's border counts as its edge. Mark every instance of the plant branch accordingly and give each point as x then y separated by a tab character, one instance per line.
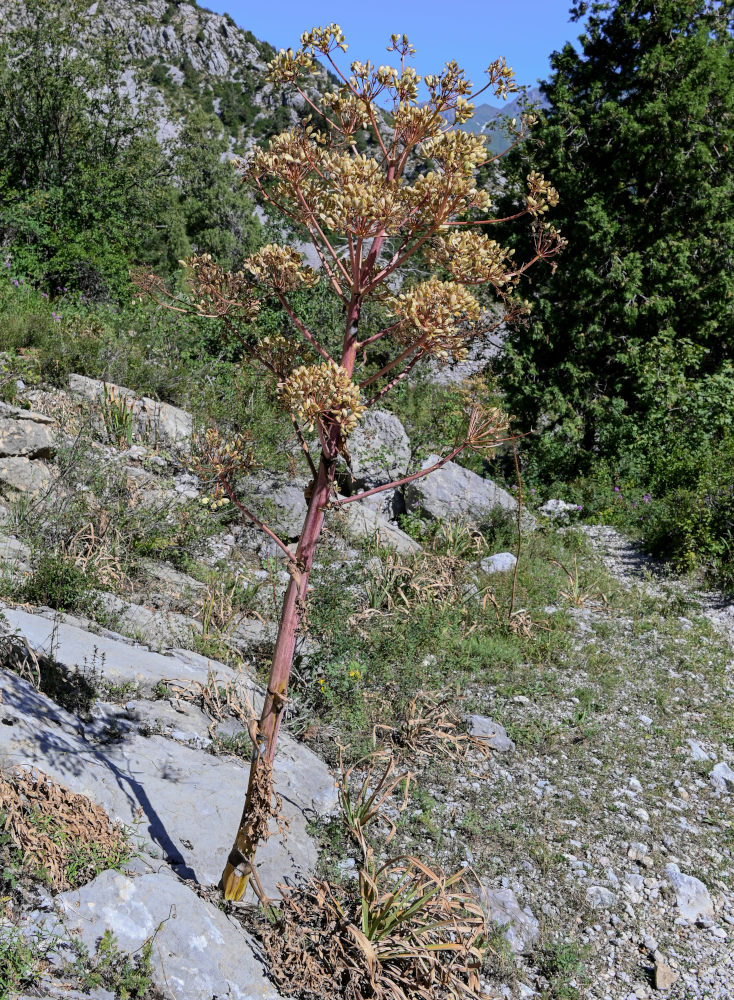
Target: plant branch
303	328
255	520
398	378
304	446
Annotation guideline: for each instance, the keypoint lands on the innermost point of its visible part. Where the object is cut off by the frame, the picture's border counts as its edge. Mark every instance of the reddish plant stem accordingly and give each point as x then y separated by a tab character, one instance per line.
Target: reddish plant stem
519	528
240	863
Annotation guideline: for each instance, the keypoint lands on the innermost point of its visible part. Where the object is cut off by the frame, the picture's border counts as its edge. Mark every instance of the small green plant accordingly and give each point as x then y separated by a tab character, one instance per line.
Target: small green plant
117	413
57	582
563	964
128	976
18	962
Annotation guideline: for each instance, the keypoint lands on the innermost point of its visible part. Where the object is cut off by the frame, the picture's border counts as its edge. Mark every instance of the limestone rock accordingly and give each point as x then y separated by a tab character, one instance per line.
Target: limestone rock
24	475
183	805
198	952
520	927
455	492
25	438
665	977
501	562
599	897
379	449
558	509
158	629
153	422
691	894
363	521
108	656
722	777
490	732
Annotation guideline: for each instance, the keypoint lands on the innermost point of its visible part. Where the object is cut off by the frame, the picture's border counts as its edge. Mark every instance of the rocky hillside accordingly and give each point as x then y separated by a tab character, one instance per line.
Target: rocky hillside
570	747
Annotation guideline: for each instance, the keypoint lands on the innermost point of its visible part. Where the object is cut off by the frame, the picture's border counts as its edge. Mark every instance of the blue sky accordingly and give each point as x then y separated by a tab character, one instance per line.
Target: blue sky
474	32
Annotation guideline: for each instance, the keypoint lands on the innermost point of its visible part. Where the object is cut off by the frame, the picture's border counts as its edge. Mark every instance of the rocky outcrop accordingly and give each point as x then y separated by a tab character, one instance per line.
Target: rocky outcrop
153	422
26	439
198	952
379	449
455	492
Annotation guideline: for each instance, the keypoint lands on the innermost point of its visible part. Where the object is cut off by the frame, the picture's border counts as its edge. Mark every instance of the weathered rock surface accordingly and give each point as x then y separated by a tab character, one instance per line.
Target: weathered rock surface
182	804
453	492
363	521
501	562
490	732
153	422
158	629
691	894
108	655
13	551
24	475
520	927
558	509
722	777
198	952
379	449
26	438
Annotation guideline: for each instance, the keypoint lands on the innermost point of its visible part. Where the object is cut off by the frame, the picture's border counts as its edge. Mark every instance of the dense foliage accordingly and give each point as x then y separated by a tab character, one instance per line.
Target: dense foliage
626	365
86	190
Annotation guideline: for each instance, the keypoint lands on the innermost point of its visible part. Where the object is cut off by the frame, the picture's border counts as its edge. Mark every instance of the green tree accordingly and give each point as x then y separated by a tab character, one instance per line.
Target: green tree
217	211
80	170
638	135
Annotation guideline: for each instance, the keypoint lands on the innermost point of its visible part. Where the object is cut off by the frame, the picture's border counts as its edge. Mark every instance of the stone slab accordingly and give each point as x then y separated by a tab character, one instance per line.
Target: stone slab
198	952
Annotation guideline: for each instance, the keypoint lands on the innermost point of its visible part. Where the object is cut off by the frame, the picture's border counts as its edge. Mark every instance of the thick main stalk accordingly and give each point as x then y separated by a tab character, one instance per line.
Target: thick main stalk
258	802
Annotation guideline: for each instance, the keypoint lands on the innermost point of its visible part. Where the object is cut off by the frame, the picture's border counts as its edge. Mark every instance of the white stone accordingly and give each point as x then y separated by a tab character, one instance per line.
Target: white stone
691	894
722	777
198	952
501	562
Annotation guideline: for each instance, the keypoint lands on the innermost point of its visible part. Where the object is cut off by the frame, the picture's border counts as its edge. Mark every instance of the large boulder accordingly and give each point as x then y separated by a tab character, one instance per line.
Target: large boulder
198	952
28	438
154	422
454	492
24	475
182	804
379	450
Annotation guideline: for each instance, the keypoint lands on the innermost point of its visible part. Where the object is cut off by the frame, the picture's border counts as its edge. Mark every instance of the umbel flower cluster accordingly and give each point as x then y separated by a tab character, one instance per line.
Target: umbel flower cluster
412	197
323	393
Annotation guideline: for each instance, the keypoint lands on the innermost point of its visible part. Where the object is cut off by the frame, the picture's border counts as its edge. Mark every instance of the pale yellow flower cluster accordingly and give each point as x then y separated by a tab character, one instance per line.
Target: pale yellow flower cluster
279	355
324	39
353	195
541	194
222	458
438	315
471	257
280	268
325	393
219	292
288	66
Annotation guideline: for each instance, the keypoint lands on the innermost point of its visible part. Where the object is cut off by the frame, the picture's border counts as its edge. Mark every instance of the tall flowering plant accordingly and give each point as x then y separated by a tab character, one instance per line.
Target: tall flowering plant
367	217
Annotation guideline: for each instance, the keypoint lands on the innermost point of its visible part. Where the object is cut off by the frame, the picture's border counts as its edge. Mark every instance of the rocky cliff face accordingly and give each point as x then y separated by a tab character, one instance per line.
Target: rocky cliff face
182	56
171	32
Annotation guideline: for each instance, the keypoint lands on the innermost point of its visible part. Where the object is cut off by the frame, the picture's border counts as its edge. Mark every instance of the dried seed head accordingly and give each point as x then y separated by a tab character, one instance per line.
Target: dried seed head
323	392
